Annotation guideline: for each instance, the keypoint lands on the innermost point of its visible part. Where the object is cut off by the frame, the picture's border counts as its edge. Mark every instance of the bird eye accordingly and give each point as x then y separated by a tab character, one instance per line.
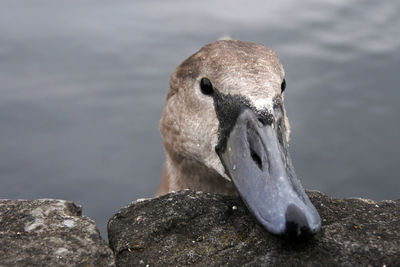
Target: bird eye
283	85
206	86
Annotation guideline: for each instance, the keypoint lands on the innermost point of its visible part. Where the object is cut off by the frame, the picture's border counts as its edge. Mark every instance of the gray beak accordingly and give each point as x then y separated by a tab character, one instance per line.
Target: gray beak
257	160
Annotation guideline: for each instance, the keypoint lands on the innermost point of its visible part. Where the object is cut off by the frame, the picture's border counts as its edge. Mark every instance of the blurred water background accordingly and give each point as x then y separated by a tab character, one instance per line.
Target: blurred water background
82	85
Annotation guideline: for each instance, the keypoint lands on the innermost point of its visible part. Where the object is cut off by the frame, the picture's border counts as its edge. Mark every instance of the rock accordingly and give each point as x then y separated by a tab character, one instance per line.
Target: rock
49	232
188	228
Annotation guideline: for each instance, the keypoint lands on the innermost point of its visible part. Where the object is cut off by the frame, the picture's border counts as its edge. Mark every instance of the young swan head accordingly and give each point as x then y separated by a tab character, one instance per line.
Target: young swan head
225	130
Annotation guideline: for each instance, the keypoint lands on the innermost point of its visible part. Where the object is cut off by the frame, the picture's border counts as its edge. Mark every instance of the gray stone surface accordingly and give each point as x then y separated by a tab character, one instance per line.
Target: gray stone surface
188	228
49	232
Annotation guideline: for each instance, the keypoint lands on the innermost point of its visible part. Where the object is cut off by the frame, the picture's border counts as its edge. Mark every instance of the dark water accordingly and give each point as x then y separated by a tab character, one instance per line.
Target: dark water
82	87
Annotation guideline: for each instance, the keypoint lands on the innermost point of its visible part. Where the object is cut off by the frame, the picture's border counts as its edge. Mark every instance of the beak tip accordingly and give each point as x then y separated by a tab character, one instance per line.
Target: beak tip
297	224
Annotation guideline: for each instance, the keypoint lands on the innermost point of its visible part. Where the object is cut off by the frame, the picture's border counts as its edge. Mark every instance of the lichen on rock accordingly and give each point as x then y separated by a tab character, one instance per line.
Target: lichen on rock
49	232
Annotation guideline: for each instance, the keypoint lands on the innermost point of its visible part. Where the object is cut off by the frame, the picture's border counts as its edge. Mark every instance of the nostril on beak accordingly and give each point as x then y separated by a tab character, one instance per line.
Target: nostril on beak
256	158
296	224
255	147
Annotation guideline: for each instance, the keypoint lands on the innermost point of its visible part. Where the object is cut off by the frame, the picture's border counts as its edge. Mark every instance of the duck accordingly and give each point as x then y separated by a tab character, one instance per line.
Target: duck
225	130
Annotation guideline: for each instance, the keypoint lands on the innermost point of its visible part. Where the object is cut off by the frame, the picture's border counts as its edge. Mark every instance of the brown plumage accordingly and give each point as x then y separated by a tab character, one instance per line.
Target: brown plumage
189	126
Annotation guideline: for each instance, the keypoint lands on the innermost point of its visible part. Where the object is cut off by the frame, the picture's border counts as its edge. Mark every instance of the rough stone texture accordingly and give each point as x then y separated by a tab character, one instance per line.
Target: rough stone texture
49	232
188	228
